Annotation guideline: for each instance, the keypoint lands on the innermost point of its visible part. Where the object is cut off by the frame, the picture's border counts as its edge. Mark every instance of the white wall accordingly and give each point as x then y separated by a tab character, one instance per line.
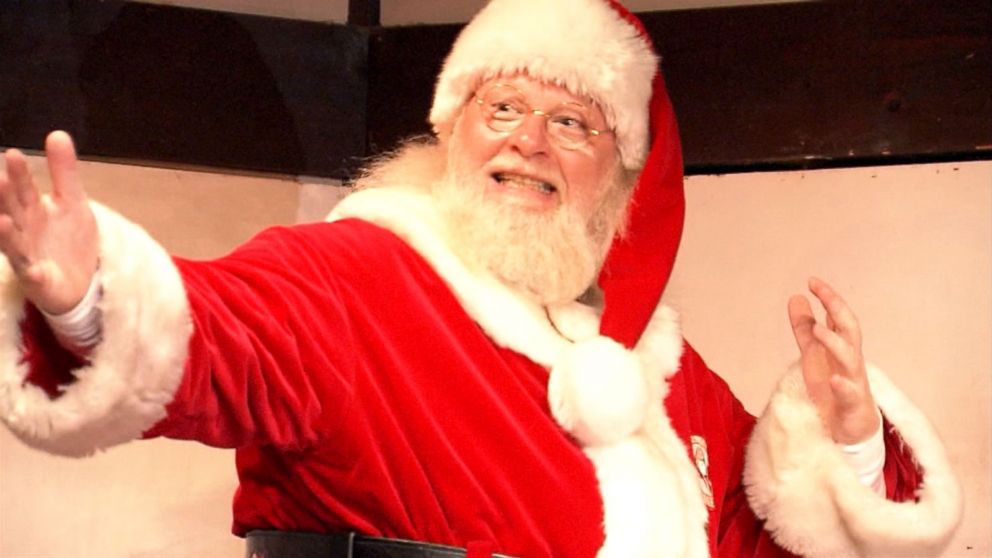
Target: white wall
909	246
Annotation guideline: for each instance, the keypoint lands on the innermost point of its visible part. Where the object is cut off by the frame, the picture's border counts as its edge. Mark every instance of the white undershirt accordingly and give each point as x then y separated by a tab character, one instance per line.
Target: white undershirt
80	329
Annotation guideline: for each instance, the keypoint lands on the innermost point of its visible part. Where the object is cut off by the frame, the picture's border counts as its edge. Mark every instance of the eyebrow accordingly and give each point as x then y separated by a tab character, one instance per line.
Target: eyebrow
576	103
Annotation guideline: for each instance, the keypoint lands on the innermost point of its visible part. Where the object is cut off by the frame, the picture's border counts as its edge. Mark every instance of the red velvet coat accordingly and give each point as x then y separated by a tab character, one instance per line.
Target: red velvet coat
362	395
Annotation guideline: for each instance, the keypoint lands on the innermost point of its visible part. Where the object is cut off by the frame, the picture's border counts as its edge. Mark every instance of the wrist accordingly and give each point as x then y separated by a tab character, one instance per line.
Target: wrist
79	329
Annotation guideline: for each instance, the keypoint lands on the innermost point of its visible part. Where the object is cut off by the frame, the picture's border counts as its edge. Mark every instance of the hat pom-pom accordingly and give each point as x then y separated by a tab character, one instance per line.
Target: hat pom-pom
597	392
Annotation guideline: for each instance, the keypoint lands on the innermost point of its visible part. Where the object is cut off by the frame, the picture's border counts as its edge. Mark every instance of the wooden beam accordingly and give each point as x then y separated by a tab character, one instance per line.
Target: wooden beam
818	84
363	13
178	86
800	85
803	85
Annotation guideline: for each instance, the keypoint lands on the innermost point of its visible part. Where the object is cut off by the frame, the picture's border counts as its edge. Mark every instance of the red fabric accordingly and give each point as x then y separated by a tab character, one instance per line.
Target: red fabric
639	264
479	549
361	396
52	364
902	474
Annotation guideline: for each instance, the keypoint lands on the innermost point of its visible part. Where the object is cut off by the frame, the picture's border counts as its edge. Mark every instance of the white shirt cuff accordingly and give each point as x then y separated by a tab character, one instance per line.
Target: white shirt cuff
867	458
81	328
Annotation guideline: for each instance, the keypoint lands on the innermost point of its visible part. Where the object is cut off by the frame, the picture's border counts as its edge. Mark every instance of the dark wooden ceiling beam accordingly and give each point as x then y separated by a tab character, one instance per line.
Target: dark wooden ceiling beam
178	86
364	13
801	85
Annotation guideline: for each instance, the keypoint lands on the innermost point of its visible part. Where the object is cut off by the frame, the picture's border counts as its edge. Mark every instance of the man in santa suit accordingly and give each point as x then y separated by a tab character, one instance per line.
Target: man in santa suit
469	353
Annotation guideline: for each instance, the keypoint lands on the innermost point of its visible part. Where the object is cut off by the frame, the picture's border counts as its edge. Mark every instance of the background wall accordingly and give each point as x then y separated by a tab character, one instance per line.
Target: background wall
406	12
910	247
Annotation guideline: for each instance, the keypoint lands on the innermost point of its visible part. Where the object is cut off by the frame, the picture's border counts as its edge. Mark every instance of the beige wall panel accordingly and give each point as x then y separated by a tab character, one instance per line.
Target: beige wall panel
909	247
411	12
408	12
311	10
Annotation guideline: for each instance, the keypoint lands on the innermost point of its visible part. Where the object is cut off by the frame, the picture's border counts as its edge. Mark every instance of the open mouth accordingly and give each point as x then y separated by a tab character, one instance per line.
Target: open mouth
511	180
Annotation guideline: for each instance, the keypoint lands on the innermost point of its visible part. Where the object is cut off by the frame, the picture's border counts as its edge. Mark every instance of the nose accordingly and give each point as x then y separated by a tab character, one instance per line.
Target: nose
531	137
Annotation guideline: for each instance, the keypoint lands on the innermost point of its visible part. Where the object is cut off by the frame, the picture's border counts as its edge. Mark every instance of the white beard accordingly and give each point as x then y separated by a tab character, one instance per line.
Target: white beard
548	257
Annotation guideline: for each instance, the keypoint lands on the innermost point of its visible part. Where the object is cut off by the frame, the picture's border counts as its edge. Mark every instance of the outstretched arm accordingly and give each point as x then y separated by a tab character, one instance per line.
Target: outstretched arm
51	241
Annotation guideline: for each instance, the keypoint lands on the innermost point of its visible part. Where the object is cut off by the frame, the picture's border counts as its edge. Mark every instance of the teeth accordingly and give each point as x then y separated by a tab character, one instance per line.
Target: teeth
516	180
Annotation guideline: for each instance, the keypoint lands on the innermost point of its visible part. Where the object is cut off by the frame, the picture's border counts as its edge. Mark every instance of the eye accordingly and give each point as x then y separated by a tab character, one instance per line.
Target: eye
570	125
570	122
508	109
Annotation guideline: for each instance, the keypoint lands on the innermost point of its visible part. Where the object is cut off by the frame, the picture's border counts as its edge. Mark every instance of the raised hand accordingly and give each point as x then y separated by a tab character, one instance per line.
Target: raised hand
51	241
833	365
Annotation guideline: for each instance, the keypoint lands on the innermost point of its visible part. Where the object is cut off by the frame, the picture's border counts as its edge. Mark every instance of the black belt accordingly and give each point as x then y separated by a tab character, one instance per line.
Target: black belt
286	544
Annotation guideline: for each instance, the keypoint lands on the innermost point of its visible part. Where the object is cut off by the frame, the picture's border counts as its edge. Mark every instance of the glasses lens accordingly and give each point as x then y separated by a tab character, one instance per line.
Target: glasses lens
504	108
568	127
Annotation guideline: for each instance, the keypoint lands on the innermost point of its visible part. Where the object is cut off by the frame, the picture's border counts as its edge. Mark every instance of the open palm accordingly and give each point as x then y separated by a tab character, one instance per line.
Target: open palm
50	241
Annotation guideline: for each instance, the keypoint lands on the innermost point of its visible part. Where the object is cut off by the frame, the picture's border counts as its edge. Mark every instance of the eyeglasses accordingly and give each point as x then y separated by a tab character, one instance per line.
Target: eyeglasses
505	108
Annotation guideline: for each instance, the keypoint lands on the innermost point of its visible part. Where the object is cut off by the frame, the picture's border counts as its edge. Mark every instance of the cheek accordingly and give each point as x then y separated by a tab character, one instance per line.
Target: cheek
471	146
587	179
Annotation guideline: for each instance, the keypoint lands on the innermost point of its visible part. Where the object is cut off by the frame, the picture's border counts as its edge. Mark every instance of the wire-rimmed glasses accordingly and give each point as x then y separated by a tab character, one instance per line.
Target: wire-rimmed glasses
504	108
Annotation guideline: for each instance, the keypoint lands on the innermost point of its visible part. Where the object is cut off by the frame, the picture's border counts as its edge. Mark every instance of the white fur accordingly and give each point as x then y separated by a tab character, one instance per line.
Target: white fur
814	504
134	371
574	320
598	392
584	46
510	320
653	506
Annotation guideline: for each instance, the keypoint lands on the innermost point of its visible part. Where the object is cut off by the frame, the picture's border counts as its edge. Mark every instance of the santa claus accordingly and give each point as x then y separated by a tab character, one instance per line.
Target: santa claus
469	356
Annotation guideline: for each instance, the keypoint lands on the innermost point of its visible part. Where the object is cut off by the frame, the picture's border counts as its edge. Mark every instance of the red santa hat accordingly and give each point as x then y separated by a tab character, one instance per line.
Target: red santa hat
596	49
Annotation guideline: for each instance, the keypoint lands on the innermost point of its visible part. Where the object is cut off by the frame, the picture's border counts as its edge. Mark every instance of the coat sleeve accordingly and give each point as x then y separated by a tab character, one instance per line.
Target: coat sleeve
224	352
812	502
782	486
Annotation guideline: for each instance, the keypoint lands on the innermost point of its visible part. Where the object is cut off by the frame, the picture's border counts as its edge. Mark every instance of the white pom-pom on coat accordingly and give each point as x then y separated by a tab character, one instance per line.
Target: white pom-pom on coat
597	391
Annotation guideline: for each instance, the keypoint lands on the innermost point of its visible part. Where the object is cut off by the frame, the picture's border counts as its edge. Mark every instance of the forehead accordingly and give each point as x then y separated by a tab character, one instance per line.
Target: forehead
542	92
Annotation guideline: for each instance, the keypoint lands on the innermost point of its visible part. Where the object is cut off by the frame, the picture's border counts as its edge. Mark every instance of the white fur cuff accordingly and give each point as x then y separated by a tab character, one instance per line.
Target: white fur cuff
812	500
134	370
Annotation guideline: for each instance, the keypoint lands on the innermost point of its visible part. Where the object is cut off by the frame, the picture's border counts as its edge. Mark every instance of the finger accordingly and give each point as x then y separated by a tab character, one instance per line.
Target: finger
838	348
25	190
802	320
61	155
840	317
12	245
18	177
812	355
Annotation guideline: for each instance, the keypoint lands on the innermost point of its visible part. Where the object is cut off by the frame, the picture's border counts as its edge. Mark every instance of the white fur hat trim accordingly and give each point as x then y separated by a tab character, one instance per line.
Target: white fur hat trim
584	46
